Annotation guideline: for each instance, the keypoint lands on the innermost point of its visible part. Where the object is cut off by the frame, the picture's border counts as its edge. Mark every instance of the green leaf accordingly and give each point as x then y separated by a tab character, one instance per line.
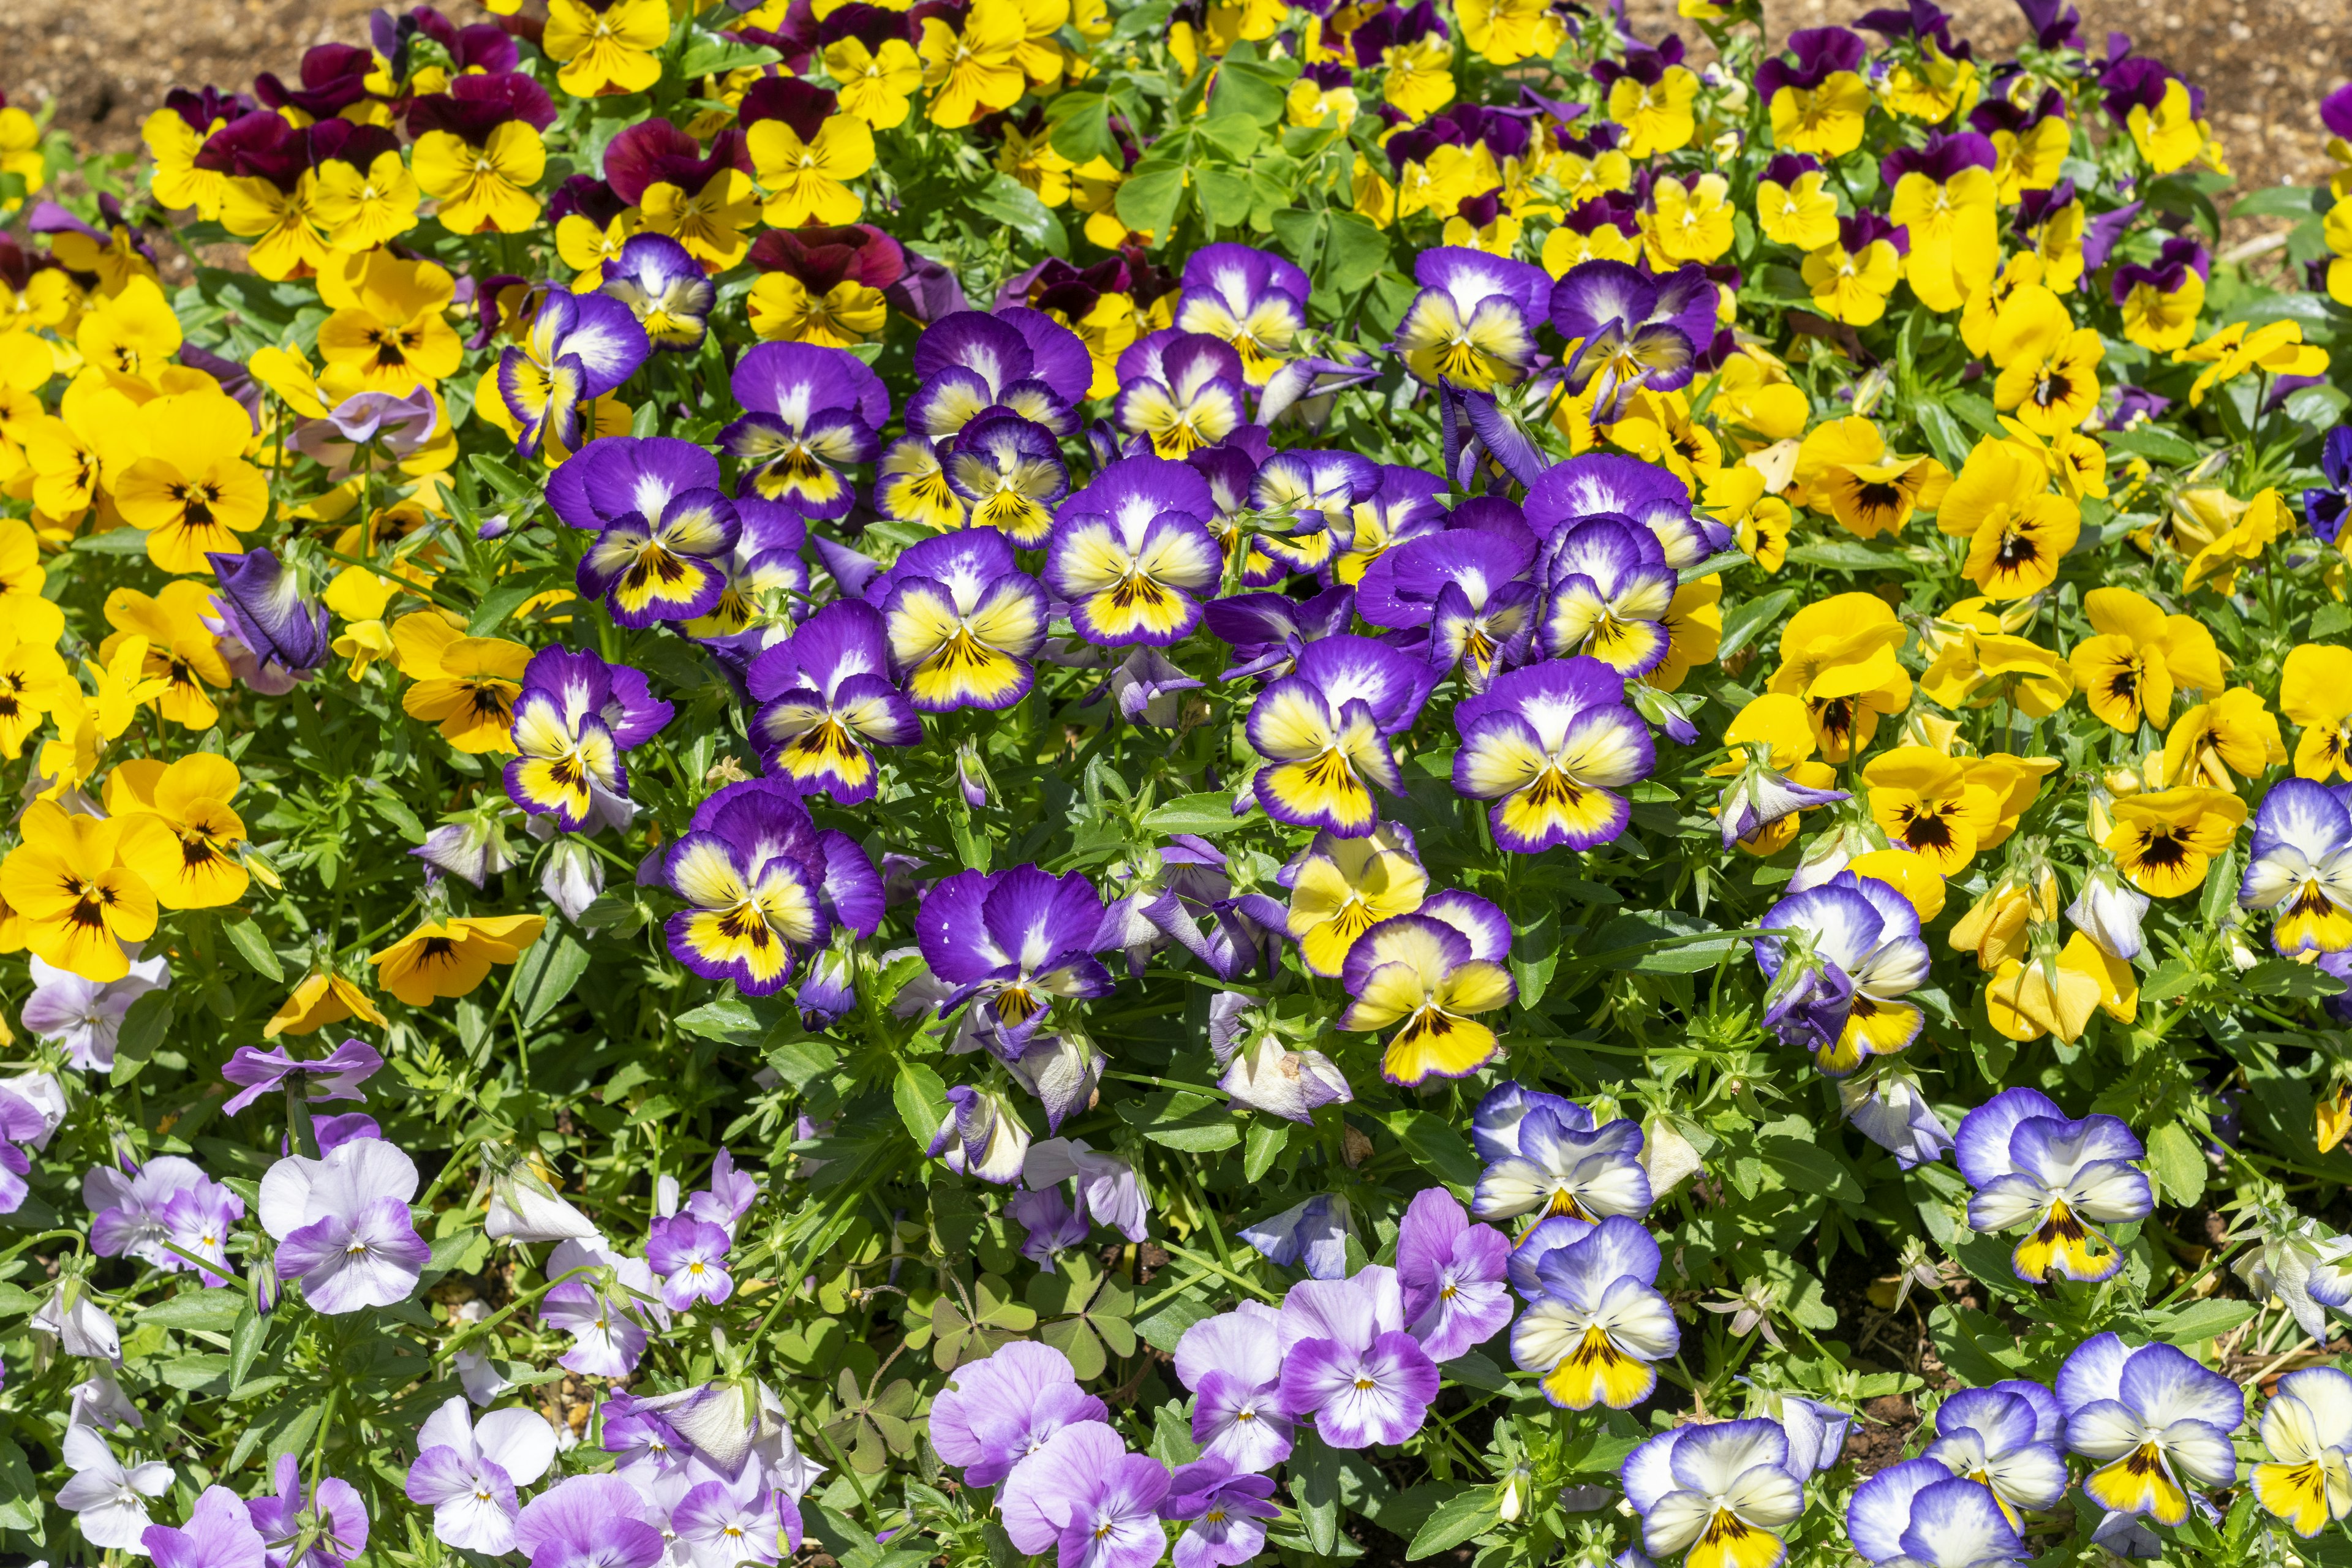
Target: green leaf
1975	411
1080	126
215	1312
2332	621
244	1342
1150	197
143	1027
2278	201
1851	555
194	1371
113	541
2200	1321
1944	438
1256	90
1455	1521
1224	199
1016	207
2157	445
1657	942
921	1096
501	602
253	947
1268	1136
728	1018
1353	253
1434	1145
2177	1163
1206	815
20	1499
546	976
1315	1484
711	55
1744	620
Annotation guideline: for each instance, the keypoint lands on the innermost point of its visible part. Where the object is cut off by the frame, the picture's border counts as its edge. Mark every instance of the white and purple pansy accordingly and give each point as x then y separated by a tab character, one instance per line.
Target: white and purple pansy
1014	944
664	289
2058	1179
1841	958
1606	590
2008	1438
2155	1422
1324	727
1317	492
669	566
1721	1492
1917	1514
763	886
1349	1363
1611	484
1546	1155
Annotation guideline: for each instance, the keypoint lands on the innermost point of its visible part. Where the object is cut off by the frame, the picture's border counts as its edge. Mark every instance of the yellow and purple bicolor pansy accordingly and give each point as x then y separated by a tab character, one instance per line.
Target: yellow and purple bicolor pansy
826	700
764	573
1248	298
811	414
622	475
1606	589
2004	1437
578	348
2155	1422
1131	555
1840	958
664	289
1019	360
763	885
1550	743
2307	1430
1462	592
1547	1155
2057	1179
1598	1325
1008	472
1324	727
1631	331
1720	1493
1920	1515
1473	323
1610	483
574	718
2299	868
670	567
1428	974
964	620
1014	944
1306	502
1406	504
1179	392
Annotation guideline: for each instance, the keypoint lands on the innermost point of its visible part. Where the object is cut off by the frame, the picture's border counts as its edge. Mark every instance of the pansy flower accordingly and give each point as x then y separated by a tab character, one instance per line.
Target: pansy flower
2005	1437
1324	727
963	620
2307	1433
444	958
1630	330
575	718
1721	1493
763	886
76	903
1851	954
1014	944
2033	1167
1007	472
1339	889
1405	504
1349	1363
826	700
578	348
1599	1325
1606	590
1549	743
1179	392
1819	102
664	289
664	566
1268	631
1231	1362
2165	842
1452	1273
1612	484
1546	1155
1430	973
1467	586
1473	323
1131	554
1248	298
968	361
811	414
1919	1515
2299	867
803	153
2153	1421
1850	276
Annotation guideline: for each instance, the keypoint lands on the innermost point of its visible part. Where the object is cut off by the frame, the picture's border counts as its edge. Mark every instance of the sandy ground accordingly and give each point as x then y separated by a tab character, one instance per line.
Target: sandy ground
2263	63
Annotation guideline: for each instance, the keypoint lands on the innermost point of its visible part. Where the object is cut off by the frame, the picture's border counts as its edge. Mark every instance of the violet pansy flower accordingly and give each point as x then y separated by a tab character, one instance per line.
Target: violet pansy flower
1634	331
218	1534
1606	589
1324	731
1268	631
398	425
1838	983
1084	1496
1224	1511
1917	1514
127	1209
1473	323
998	1413
1611	484
690	1254
826	700
578	348
811	415
1232	1365
1247	297
1311	1235
1347	1361
342	1225
85	1016
1450	1272
606	1311
1014	944
335	1509
1547	1156
1551	744
262	603
1466	587
763	885
467	1472
1009	472
576	714
968	361
1317	492
335	1076
1179	392
589	1522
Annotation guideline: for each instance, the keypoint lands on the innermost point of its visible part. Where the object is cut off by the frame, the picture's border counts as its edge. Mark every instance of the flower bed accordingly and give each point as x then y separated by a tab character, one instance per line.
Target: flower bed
1022	779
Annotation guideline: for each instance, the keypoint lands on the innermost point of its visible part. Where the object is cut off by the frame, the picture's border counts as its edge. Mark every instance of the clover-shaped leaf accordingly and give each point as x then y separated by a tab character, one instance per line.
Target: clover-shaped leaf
871	1428
994	1319
1088	1315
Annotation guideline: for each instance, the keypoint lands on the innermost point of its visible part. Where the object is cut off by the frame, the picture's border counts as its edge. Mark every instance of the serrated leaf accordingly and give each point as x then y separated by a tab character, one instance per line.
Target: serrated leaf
1456	1520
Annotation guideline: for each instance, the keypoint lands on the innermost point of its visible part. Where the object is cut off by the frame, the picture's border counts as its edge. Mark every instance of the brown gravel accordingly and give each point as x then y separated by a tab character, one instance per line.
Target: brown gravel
2264	63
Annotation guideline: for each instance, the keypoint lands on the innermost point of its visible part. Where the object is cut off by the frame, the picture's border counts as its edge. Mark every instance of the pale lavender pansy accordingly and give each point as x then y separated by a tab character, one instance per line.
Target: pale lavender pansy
329	1514
85	1016
342	1225
610	1310
1452	1274
690	1254
108	1499
589	1522
217	1534
335	1076
1224	1513
998	1413
1084	1496
467	1472
1349	1363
